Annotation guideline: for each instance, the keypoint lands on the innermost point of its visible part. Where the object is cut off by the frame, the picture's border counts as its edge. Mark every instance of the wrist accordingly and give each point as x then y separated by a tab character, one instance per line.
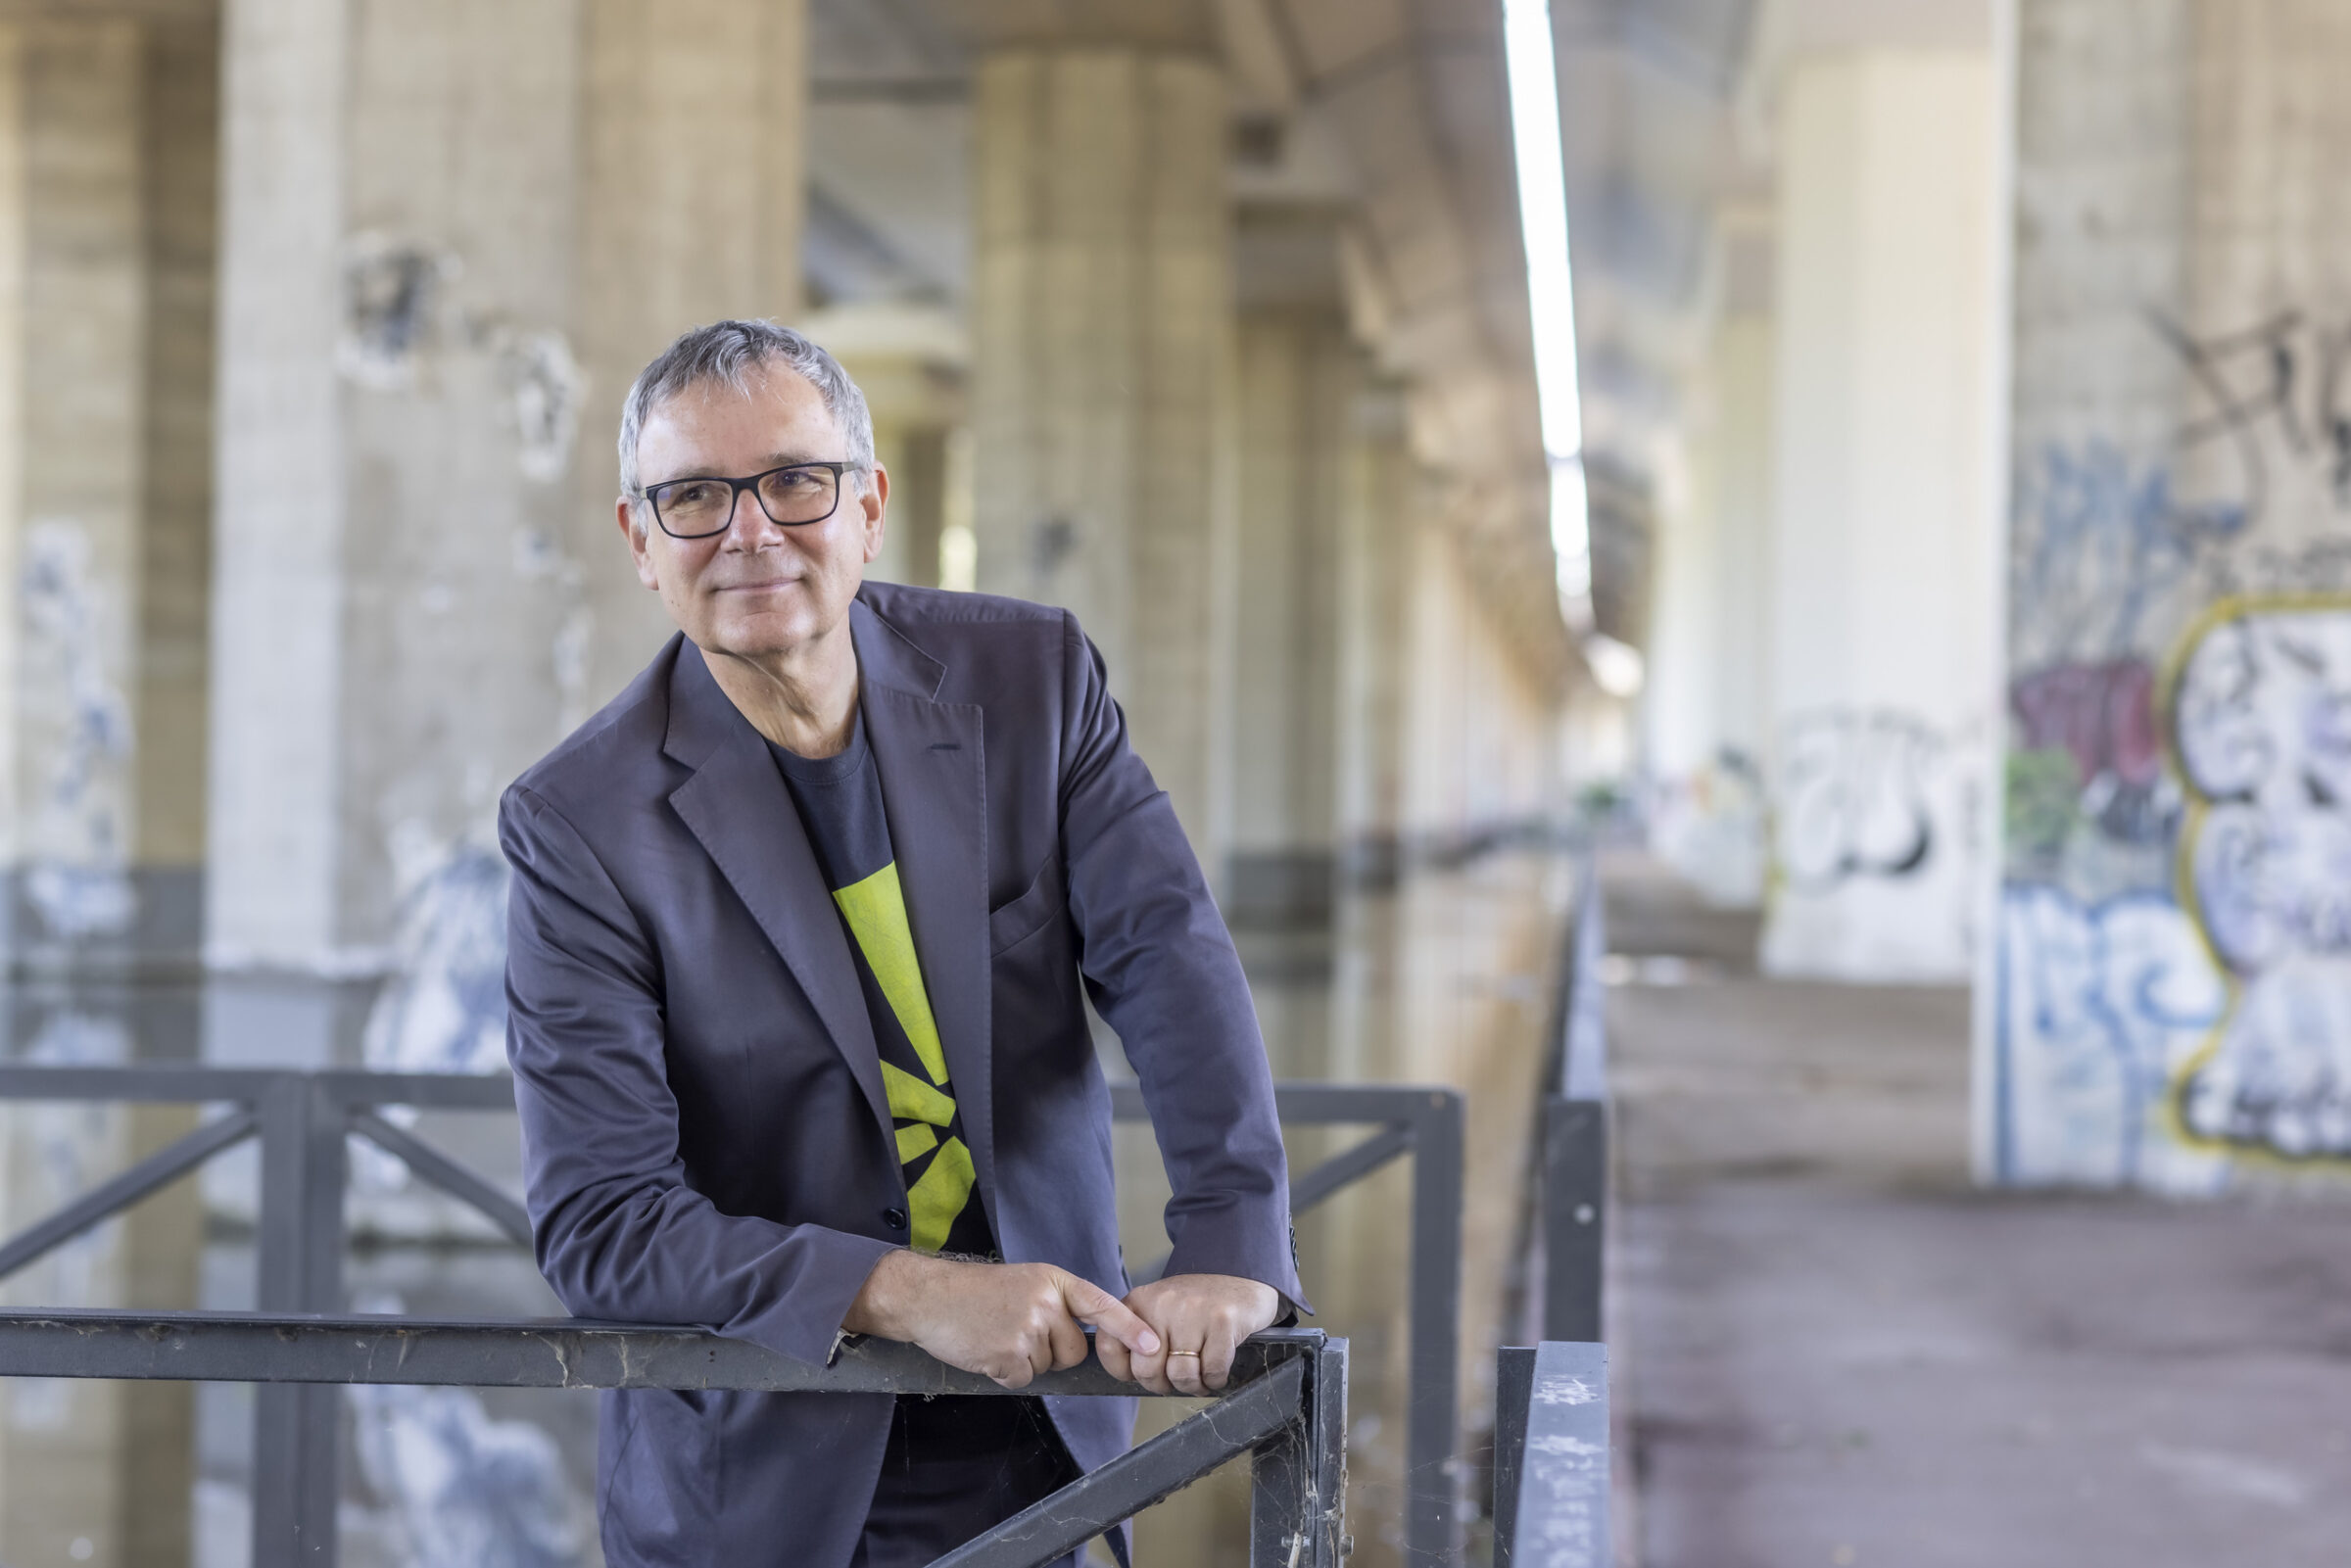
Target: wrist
888	1306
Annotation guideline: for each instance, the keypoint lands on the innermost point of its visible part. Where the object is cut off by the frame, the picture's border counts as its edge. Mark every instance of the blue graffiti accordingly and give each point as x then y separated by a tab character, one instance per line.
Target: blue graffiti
2107	539
2098	1006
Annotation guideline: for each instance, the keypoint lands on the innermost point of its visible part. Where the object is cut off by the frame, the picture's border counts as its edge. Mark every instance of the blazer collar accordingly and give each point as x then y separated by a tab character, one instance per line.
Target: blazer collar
887	656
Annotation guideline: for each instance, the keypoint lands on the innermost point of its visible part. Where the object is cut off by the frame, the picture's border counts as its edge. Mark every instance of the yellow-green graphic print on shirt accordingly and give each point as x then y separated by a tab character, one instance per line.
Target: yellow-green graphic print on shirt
840	801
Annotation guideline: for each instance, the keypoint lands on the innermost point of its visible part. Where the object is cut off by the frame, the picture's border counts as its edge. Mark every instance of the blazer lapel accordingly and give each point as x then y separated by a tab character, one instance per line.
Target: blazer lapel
737	805
934	790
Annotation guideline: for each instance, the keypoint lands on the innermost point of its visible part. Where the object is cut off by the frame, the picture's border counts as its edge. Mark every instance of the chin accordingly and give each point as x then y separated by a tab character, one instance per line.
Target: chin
766	632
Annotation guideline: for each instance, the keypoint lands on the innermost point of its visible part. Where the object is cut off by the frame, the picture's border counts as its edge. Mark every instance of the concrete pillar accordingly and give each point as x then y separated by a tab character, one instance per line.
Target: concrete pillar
105	290
1101	313
1298	373
107	149
1706	704
1880	580
2170	1003
1385	494
452	235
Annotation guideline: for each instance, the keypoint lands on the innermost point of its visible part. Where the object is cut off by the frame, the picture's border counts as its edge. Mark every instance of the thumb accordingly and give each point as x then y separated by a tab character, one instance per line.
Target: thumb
1090	1303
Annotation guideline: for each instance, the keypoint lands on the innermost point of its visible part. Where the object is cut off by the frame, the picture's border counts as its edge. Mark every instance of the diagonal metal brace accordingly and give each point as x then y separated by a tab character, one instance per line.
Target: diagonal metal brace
1141	1476
102	1202
430	1164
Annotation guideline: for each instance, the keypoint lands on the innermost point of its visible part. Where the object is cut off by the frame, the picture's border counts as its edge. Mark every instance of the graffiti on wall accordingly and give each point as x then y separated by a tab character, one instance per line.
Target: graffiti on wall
2108	541
76	827
1854	797
2100	1005
2270	399
2261	726
2205	990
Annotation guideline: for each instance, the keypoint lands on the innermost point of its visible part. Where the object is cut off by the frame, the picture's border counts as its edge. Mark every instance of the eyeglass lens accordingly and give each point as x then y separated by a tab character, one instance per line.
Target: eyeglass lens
789	496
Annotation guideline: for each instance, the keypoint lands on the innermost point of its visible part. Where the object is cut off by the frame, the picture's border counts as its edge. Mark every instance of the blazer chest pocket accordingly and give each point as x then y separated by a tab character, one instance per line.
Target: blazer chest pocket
1011	924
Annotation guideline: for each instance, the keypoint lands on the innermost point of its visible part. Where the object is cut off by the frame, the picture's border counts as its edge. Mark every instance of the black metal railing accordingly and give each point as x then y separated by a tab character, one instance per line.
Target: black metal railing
1552	1479
296	1352
1286	1408
1572	1194
1551	1456
1425	1123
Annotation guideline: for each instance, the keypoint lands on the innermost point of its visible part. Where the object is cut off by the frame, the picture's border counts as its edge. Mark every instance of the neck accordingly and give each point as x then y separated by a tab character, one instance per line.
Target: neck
804	699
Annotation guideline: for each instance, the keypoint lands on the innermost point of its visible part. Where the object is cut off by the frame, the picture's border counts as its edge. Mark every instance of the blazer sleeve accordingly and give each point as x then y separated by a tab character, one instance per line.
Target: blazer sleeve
1162	970
619	1234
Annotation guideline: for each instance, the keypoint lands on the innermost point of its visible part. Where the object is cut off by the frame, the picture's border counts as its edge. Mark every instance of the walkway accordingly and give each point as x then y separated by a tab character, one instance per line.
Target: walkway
1842	1355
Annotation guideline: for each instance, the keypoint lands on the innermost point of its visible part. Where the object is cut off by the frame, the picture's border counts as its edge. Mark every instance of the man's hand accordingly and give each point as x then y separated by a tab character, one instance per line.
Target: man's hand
1204	1314
1005	1321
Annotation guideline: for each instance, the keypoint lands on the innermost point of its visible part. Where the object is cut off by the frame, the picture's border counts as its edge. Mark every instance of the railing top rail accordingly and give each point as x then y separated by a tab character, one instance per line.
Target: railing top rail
197	1085
533	1353
161	1083
1583	1020
1562	1516
1309	1102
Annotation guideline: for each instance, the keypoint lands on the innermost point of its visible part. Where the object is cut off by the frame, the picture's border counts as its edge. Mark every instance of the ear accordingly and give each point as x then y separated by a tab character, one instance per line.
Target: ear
873	497
641	548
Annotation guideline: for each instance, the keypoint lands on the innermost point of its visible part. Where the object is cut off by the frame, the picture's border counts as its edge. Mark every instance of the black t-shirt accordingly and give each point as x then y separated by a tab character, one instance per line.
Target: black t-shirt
840	800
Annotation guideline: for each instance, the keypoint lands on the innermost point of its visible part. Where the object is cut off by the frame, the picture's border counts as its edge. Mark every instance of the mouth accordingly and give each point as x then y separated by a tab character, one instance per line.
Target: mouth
769	584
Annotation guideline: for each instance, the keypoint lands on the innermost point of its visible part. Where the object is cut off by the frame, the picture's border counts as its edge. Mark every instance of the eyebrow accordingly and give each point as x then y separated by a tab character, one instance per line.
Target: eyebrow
767	464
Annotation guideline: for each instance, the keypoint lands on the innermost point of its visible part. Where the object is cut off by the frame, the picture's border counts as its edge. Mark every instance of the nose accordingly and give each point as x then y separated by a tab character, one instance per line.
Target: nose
749	525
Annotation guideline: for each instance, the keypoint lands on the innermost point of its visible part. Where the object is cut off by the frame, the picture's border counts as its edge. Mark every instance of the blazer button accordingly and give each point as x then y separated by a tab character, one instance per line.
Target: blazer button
895	1219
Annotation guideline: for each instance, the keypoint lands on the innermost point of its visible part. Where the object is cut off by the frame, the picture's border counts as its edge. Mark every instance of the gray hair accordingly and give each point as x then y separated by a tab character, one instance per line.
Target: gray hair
731	352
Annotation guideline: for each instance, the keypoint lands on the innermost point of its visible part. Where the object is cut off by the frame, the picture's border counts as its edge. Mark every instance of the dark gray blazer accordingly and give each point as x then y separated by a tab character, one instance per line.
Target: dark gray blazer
705	1131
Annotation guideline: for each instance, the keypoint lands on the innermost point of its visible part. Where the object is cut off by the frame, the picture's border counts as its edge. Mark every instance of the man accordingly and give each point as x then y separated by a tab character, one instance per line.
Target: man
800	930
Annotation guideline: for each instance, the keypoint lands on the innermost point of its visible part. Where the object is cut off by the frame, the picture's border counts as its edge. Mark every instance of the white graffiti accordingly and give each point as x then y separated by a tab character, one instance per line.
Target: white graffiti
2263	729
1854	797
2100	1007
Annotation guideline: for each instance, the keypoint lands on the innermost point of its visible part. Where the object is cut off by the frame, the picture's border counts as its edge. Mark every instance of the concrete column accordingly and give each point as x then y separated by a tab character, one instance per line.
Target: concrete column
1384	490
1706	704
103	284
1881	579
453	233
105	216
1101	310
1297	377
2170	1003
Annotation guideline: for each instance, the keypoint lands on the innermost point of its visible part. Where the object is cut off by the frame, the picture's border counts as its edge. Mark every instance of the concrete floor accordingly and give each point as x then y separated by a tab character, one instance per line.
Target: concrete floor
1837	1352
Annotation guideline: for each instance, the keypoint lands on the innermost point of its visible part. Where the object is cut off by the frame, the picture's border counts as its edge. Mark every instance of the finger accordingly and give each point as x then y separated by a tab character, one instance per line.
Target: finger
1115	1358
1215	1356
1151	1368
1065	1343
1185	1332
1184	1372
1088	1303
1022	1373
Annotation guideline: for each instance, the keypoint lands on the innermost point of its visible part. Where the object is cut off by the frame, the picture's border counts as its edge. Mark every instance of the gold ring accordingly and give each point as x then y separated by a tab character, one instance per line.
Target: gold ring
1194	1355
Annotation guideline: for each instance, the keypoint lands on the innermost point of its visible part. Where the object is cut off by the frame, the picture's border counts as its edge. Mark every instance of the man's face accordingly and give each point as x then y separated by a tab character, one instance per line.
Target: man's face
759	587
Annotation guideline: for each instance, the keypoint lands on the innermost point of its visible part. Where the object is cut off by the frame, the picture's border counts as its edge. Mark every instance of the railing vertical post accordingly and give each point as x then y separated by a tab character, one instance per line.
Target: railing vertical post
1575	1188
297	1468
1433	1472
1513	1386
1298	1478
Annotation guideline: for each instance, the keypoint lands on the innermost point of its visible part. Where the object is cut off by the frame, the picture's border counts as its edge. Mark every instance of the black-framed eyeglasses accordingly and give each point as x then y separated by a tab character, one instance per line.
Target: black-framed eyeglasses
703	504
